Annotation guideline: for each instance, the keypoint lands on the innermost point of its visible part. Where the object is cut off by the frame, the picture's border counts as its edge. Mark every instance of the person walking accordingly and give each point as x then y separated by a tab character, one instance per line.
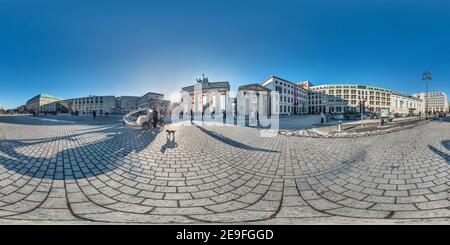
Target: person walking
155	118
257	119
162	115
224	117
192	116
94	114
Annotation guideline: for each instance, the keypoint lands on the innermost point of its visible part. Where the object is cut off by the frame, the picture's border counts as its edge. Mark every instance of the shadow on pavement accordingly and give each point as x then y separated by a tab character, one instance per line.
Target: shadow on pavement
58	120
80	158
446	156
170	144
30	120
446	144
231	142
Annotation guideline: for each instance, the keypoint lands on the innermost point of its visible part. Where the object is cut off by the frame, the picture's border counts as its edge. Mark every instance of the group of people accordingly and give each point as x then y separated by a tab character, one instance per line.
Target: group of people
147	118
323	117
36	113
94	114
155	117
213	115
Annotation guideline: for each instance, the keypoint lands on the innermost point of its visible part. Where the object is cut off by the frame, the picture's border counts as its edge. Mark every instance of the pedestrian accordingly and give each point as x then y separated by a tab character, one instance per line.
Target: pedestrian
257	119
94	114
192	116
224	117
322	116
203	114
155	118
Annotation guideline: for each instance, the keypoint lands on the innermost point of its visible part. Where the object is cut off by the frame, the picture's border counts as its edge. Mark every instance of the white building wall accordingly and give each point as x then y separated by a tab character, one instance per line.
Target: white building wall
127	103
99	104
293	98
436	102
404	105
144	101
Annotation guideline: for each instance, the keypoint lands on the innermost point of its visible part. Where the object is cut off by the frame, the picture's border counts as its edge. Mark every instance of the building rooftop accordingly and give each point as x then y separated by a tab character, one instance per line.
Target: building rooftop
93	96
361	86
278	78
296	85
129	96
44	96
151	93
209	85
344	85
254	86
432	93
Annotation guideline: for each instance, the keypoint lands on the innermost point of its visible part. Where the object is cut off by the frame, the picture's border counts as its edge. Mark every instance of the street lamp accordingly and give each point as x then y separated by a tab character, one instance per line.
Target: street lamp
361	108
426	76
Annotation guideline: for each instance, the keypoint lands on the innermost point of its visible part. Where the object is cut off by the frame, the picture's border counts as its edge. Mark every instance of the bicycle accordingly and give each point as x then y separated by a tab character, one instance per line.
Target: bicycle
161	121
139	118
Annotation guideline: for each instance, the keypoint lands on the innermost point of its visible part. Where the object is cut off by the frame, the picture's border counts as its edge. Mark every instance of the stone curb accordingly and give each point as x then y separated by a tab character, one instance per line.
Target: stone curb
313	133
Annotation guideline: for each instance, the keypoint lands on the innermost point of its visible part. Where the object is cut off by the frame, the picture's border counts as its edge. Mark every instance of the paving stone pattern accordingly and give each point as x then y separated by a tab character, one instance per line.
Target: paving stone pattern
111	173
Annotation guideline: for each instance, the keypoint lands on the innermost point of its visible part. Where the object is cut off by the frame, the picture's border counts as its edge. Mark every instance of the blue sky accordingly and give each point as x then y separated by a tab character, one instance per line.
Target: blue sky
79	48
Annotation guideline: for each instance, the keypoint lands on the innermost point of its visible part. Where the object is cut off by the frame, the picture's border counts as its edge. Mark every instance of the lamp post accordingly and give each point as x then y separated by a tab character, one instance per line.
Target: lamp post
426	76
361	108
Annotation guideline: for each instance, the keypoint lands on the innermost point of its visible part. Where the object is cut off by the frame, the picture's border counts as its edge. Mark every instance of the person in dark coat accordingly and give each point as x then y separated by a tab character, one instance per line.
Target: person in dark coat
155	118
257	119
224	117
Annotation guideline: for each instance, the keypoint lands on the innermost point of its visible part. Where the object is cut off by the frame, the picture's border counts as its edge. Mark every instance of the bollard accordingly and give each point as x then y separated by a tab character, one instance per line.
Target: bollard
340	126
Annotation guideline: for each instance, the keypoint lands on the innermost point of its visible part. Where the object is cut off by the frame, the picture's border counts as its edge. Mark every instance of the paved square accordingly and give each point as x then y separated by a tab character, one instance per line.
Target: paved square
209	174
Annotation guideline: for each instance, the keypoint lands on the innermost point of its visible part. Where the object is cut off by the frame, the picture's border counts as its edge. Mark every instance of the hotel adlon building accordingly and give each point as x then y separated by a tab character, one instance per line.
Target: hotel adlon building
304	97
434	102
336	98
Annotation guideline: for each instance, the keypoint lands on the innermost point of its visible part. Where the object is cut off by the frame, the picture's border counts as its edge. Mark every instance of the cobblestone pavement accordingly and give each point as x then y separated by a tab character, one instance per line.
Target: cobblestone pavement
212	174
